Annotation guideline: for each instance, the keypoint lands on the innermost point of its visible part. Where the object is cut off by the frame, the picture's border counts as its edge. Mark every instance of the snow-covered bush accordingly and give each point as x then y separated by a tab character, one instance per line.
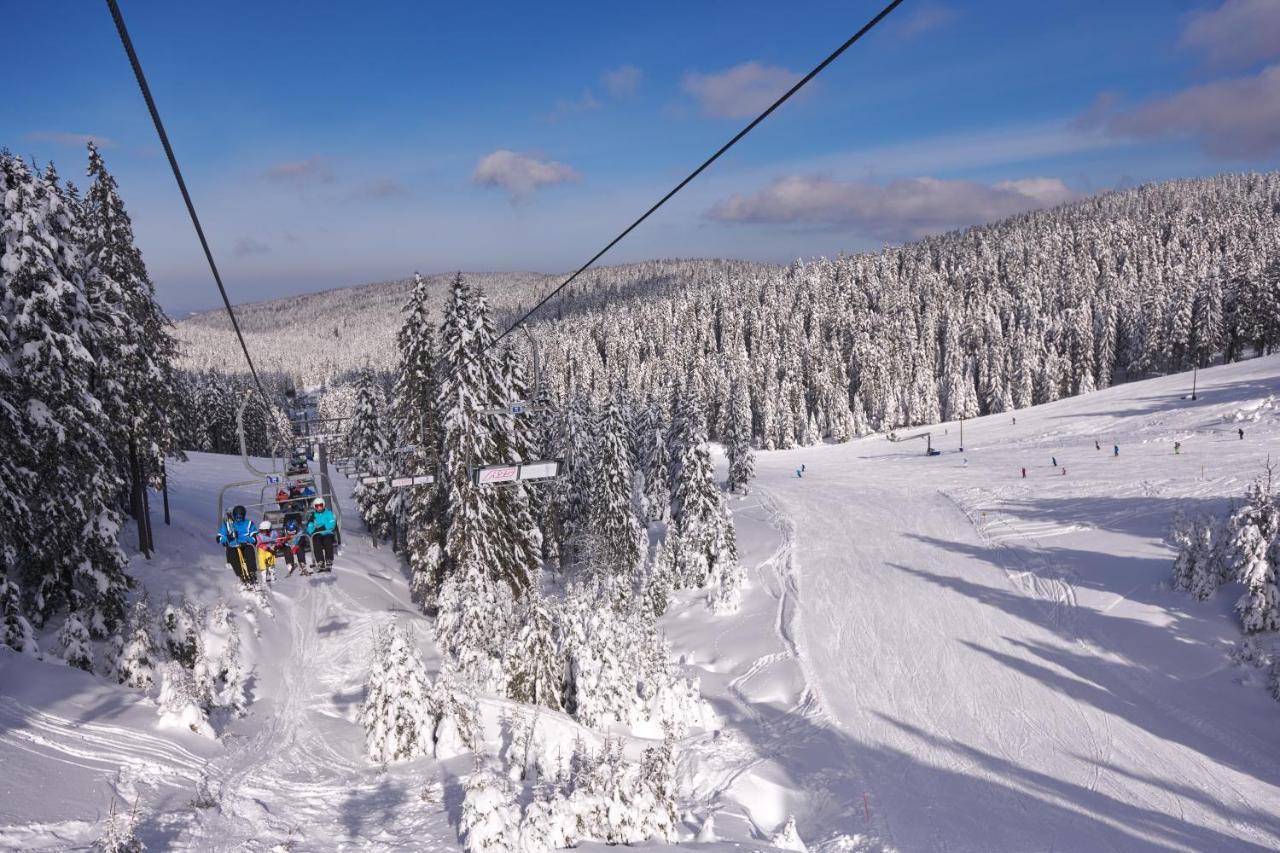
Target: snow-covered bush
18	633
788	837
490	817
135	666
180	705
397	710
180	627
74	641
457	720
120	835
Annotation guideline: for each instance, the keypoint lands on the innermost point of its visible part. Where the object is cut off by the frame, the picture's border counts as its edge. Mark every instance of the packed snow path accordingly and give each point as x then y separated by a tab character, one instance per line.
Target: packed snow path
999	652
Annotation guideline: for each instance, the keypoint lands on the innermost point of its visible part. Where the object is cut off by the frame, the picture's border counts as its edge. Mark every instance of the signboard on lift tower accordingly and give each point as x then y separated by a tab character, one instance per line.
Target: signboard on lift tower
497	474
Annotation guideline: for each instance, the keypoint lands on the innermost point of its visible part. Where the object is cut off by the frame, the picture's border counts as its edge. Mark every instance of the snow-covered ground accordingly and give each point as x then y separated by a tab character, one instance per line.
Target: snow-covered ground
1001	656
930	655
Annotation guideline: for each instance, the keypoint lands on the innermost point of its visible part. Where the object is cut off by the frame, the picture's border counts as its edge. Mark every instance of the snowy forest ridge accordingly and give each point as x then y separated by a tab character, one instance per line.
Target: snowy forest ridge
1040	306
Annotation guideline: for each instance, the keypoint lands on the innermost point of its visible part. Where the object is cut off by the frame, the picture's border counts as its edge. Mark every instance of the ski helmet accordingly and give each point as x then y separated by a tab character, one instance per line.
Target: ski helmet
265	526
291	524
238	512
318	503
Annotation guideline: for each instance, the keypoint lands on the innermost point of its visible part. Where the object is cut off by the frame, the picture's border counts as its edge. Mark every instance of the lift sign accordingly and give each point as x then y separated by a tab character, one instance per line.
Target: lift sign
498	474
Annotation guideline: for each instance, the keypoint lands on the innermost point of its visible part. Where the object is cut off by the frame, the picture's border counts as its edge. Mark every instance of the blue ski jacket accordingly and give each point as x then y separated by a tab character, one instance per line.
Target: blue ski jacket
322	522
236	533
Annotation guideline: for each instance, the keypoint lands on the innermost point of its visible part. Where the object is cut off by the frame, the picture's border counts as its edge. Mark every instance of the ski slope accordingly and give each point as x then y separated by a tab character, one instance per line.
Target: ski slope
929	656
1002	657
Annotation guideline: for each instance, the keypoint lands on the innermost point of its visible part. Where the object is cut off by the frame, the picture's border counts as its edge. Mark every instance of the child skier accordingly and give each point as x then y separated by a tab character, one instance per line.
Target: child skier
236	535
295	545
321	527
266	551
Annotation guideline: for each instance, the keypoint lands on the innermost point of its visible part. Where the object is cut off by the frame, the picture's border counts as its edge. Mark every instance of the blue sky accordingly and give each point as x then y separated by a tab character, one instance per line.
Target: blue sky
327	147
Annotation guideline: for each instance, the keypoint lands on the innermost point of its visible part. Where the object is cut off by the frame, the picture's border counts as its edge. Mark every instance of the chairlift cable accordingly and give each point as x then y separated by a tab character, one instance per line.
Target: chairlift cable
182	185
884	13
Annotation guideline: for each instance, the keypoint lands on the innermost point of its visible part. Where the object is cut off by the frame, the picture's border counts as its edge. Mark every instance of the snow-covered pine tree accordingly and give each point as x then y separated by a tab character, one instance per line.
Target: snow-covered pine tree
490	817
613	515
229	676
492	546
737	440
136	664
1182	537
535	663
136	348
457	722
18	633
417	423
180	705
600	646
74	641
699	516
51	343
367	444
548	822
658	787
1255	525
1210	568
657	467
396	712
17	460
179	625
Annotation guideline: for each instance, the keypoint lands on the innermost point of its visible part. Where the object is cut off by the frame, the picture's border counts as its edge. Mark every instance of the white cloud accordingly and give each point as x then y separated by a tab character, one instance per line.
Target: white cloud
246	246
520	174
301	173
622	81
584	104
740	91
1232	119
900	210
79	140
926	17
380	189
1237	34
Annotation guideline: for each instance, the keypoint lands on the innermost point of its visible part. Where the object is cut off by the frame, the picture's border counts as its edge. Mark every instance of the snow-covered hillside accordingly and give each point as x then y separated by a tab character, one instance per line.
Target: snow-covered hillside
932	653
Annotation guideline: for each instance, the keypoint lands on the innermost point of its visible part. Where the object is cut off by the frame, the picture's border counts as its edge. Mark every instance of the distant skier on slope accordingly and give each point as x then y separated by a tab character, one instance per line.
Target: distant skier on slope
1024	473
1054	459
236	535
1241	431
1097	445
1115	451
1177	447
321	527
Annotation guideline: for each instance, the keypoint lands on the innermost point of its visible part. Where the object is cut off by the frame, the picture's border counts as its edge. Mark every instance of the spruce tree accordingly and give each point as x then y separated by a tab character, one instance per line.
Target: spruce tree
17	631
396	711
417	423
535	663
738	440
613	514
136	356
51	341
367	444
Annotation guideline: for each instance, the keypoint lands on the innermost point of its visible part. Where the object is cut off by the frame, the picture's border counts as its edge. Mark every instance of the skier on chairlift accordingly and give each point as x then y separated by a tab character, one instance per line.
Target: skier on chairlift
236	535
321	527
296	544
266	562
